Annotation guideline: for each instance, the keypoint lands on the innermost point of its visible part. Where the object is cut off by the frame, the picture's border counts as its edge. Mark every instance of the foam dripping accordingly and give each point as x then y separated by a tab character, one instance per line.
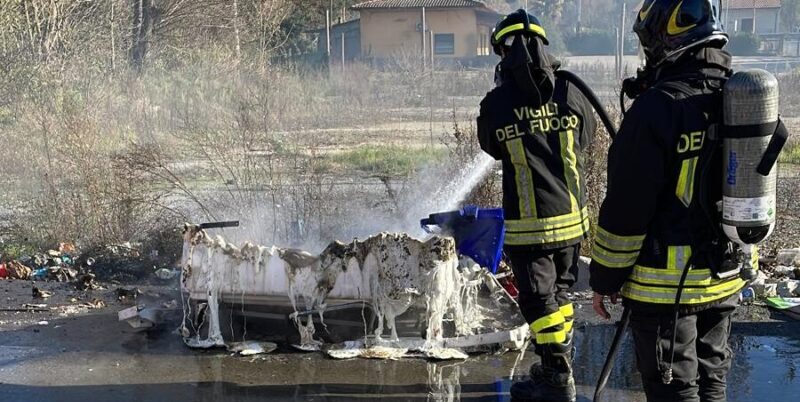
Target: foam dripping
389	271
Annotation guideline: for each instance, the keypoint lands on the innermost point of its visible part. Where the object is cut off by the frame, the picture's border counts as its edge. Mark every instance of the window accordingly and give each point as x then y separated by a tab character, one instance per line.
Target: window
444	44
746	25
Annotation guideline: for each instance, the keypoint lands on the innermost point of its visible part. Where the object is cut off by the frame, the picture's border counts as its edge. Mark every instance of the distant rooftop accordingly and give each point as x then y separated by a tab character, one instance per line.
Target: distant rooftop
751	4
375	4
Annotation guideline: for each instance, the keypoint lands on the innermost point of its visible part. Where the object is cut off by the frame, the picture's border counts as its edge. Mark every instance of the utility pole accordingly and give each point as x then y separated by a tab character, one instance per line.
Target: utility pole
622	40
342	51
580	16
424	25
328	33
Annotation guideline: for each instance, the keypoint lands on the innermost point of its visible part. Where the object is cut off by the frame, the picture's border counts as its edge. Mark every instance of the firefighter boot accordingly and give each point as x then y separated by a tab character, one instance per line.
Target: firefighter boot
551	381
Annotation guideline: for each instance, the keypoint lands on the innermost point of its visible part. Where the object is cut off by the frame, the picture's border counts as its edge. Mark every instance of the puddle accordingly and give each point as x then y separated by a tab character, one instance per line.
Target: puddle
764	368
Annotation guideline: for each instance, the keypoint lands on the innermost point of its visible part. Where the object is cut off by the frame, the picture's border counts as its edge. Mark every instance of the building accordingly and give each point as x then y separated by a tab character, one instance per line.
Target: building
754	16
447	29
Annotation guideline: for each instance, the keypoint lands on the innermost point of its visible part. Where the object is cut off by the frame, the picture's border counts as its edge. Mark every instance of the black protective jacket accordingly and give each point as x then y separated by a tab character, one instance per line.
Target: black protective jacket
664	178
542	150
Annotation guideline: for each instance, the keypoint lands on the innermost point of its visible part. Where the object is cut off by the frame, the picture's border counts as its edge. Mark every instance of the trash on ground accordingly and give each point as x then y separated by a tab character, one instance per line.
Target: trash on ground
789	257
124	294
786	305
250	348
789	288
166	274
16	270
95	304
40	294
43	323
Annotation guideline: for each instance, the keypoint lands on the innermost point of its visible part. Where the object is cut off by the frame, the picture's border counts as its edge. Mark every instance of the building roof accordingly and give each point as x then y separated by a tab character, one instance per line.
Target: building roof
378	4
751	4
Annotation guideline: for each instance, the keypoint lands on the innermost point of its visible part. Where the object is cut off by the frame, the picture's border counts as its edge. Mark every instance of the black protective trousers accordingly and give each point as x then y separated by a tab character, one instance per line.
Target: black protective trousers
702	355
543	278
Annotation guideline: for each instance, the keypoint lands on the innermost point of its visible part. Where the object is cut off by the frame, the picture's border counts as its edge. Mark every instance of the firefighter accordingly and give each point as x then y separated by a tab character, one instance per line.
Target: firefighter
539	127
660	215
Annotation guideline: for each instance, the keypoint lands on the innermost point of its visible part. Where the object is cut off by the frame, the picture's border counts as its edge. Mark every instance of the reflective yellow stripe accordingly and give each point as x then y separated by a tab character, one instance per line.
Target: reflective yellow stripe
551	337
614	260
618	243
518	27
550	223
678	257
548	321
567	310
570	167
685	189
568	325
660	276
524	178
549	236
649	294
754	258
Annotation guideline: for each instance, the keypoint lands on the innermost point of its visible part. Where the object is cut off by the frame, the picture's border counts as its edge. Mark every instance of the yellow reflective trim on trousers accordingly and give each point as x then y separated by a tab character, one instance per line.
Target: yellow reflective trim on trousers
648	294
567	310
548	321
678	257
518	27
568	325
550	236
570	168
523	178
685	189
661	276
614	260
618	243
549	223
551	337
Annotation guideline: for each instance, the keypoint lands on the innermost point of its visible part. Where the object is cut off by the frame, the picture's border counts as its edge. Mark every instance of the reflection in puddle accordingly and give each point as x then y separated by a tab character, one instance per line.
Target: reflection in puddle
764	368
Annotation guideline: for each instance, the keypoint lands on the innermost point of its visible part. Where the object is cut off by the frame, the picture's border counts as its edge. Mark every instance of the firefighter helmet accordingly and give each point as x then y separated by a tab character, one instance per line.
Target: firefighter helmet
518	22
666	27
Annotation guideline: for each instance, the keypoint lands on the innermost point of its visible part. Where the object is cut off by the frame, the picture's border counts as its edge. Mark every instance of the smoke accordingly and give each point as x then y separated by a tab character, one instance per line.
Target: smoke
351	210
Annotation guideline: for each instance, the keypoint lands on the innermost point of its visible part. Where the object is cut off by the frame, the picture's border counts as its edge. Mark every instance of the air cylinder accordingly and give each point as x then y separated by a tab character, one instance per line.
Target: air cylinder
750	117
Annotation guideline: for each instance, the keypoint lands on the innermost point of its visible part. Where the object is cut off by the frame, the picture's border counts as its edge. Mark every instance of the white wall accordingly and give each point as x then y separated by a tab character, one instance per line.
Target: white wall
767	20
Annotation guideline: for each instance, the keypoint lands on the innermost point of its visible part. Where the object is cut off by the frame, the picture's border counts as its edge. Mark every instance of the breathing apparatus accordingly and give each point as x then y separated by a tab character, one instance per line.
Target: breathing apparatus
749	138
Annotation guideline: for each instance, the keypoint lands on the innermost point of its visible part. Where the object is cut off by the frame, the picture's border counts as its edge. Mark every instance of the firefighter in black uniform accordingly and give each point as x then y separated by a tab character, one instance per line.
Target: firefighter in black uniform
660	216
539	127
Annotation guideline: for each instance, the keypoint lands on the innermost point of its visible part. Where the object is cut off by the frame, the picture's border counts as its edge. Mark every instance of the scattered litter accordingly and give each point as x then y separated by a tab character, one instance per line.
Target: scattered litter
39	274
3	271
43	323
68	311
172	304
124	294
789	257
782	270
250	348
40	294
86	282
95	304
789	288
166	274
786	305
16	270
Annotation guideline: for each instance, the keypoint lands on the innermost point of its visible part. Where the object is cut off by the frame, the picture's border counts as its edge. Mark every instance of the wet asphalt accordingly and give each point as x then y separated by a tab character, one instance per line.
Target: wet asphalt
93	357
